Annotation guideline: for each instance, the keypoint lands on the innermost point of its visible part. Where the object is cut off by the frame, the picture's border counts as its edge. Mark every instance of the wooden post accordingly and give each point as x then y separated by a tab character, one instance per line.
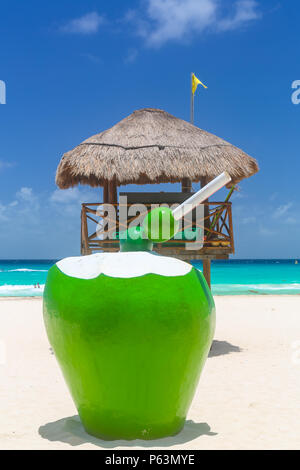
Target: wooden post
113	198
206	262
81	234
231	229
105	192
206	271
186	186
112	192
115	193
84	234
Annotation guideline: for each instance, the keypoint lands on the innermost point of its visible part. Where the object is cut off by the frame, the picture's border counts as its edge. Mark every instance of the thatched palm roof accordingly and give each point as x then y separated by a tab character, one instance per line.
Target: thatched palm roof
152	146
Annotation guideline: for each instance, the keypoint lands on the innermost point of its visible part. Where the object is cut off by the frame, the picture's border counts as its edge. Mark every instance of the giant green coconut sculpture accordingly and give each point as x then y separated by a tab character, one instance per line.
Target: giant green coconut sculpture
132	331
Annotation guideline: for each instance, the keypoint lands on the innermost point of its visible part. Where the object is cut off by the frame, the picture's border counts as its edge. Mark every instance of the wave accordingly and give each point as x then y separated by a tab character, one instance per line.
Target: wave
24	270
235	289
9	290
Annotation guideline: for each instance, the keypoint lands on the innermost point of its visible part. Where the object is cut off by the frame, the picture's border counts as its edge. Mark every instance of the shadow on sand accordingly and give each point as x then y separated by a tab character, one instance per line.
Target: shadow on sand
219	348
70	431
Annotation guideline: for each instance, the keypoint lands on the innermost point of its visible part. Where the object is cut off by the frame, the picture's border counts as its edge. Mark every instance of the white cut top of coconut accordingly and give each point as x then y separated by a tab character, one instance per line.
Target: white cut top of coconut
123	265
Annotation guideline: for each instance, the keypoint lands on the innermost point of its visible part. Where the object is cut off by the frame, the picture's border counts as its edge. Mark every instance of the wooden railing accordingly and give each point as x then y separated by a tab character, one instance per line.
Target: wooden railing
99	231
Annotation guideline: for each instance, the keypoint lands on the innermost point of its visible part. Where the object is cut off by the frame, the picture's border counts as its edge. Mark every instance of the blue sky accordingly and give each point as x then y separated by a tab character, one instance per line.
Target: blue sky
74	68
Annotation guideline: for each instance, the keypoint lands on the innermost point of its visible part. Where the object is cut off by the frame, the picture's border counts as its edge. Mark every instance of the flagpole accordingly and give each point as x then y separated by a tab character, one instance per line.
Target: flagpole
192	100
206	262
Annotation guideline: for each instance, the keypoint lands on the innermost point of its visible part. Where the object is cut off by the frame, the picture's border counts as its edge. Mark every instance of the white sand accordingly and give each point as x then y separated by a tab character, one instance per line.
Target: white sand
248	396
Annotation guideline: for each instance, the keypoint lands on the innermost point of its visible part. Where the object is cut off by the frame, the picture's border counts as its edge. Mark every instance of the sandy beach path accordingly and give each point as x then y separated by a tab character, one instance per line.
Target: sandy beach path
248	396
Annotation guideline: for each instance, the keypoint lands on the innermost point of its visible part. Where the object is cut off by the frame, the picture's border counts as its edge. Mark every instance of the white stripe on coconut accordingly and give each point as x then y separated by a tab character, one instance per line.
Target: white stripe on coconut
123	265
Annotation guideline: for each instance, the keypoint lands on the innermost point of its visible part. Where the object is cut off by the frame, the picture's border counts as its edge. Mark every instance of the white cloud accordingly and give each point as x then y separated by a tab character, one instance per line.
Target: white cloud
245	11
86	24
27	208
71	196
131	56
92	58
238	195
292	220
25	194
274	196
267	231
65	196
48	224
3	215
282	210
173	19
169	20
248	220
4	165
69	200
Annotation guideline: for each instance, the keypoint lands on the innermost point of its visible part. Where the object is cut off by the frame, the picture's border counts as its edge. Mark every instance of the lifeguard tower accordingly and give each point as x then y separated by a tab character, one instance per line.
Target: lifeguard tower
150	147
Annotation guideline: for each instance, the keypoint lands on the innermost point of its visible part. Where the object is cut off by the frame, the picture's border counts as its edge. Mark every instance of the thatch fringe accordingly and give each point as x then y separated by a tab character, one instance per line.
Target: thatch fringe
152	146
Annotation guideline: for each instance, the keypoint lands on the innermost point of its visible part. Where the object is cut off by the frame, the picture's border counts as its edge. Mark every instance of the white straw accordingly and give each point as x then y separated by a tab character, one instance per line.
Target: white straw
201	196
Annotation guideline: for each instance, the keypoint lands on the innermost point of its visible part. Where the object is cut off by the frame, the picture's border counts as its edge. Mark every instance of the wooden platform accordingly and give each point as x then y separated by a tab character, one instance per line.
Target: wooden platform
101	224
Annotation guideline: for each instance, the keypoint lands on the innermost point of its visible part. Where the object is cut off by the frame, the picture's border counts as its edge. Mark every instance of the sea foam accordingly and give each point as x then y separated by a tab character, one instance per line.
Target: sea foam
9	290
248	289
25	270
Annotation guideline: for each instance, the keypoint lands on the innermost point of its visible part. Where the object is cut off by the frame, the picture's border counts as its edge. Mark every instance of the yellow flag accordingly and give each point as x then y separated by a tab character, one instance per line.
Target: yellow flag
195	83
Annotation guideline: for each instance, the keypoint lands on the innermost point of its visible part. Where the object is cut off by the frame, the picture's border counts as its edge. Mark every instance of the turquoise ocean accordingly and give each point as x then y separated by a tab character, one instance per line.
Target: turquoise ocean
20	278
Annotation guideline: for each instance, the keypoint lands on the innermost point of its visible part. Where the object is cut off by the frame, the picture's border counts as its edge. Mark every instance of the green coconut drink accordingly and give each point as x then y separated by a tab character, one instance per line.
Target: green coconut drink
131	340
131	332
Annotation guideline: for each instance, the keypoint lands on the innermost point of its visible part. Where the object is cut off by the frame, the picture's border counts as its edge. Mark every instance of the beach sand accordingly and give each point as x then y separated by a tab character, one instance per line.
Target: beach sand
248	396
